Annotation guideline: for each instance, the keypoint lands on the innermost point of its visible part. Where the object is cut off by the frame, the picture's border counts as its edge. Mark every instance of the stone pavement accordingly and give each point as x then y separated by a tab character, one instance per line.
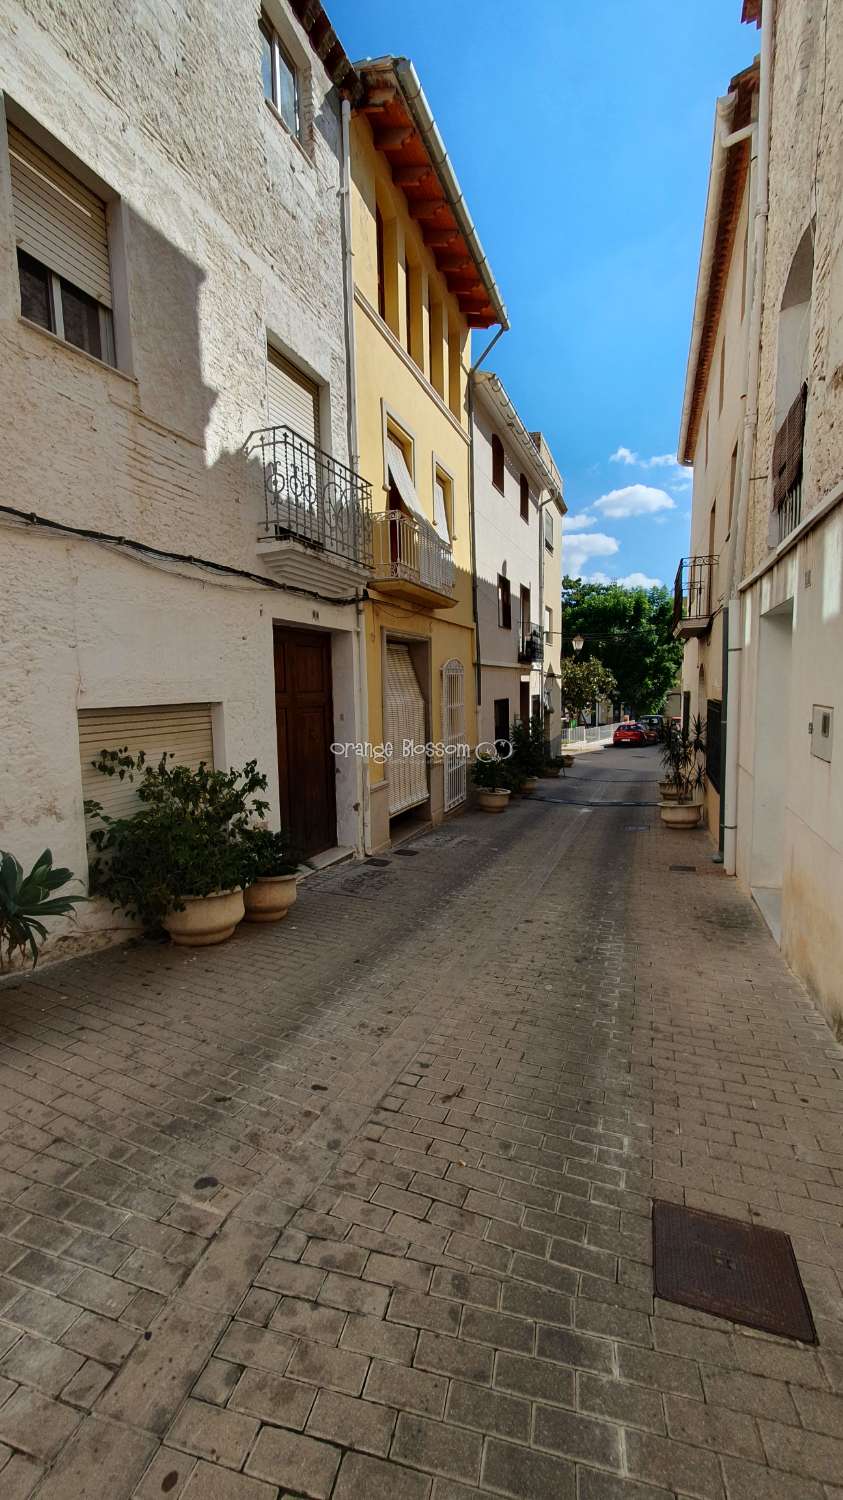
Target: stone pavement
360	1206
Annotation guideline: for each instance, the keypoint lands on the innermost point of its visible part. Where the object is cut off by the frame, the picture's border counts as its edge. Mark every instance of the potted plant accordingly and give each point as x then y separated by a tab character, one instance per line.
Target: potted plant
179	862
489	776
270	874
683	757
527	760
25	900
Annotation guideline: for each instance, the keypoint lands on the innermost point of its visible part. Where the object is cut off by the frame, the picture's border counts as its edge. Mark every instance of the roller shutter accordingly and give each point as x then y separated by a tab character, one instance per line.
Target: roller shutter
183	729
404	721
292	399
57	220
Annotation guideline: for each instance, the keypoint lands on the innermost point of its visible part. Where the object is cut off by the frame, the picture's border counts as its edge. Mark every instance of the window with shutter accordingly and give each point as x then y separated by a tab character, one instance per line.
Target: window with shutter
61	234
181	729
498	465
524	487
504	603
292	399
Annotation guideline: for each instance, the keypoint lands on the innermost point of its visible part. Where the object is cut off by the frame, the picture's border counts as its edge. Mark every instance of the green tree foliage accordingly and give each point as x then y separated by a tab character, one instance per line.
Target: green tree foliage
580	682
630	632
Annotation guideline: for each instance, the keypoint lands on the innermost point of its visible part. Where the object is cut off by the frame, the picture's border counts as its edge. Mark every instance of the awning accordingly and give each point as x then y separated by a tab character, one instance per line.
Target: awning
400	476
440	511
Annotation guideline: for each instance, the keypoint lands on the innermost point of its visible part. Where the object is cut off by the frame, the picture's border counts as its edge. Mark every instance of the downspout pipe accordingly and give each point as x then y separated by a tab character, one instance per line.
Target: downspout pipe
753	359
478	663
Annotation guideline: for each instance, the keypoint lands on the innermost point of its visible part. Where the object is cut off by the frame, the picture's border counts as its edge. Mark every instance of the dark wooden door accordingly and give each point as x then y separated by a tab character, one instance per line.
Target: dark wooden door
304	718
524	702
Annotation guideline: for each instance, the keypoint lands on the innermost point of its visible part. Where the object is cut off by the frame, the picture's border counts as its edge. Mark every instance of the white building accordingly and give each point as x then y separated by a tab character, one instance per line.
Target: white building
172	284
517	511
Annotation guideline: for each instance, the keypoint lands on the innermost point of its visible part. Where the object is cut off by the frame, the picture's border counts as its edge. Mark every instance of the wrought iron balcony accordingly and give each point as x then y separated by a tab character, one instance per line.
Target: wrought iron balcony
789	513
530	645
311	498
692	591
412	560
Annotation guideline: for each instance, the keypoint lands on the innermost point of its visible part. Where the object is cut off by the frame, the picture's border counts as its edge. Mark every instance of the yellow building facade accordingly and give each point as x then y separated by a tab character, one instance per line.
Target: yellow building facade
421	283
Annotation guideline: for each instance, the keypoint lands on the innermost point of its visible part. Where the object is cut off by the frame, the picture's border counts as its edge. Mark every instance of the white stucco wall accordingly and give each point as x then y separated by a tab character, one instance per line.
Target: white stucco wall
224	230
507	545
793	612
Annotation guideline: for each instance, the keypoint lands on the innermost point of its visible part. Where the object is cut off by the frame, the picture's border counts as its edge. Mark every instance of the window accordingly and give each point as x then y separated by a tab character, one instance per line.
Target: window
436	337
733	475
722	374
280	79
706	441
525	613
179	729
455	372
744	270
443	514
504	603
497	462
62	237
524	487
381	255
292	399
548	626
548	528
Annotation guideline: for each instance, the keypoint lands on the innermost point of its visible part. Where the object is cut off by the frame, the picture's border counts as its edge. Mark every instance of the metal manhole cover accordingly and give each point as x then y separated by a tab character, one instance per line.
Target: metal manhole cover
682	867
406	853
744	1272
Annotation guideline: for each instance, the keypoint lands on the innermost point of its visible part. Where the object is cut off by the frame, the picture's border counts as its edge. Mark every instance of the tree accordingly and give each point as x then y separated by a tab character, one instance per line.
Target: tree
581	682
631	632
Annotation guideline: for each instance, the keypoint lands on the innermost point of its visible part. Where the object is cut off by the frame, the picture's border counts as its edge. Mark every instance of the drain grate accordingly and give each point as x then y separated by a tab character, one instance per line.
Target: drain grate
682	867
744	1272
406	853
372	861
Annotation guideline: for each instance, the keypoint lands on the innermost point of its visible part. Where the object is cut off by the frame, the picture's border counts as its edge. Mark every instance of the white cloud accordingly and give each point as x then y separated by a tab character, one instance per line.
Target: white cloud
640	581
578	548
633	500
623	456
657	461
580	522
662	461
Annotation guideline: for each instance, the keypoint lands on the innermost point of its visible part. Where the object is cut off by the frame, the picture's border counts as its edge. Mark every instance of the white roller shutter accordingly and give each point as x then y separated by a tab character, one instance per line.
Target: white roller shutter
440	511
57	220
292	399
404	721
182	729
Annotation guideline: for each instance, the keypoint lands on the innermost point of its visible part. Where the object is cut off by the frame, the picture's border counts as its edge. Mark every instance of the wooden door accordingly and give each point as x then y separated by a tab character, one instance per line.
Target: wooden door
524	702
304	719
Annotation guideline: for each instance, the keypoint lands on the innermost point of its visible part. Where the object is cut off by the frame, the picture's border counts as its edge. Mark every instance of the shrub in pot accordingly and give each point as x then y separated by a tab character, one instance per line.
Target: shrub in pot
25	900
180	861
271	876
489	776
683	758
527	759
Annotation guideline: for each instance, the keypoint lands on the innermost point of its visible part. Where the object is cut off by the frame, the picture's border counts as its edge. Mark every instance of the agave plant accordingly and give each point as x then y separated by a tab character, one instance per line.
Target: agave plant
26	899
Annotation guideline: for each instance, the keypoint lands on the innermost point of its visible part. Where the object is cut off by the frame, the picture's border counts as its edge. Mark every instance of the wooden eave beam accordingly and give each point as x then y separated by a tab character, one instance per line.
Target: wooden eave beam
425	208
437	239
412	175
393	137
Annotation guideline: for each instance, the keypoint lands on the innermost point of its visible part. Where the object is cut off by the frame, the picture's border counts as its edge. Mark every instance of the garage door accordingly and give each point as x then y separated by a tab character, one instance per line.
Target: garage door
404	722
180	729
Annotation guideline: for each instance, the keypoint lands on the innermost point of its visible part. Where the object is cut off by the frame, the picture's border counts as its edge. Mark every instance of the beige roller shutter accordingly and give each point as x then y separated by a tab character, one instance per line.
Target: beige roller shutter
292	399
57	220
182	729
404	721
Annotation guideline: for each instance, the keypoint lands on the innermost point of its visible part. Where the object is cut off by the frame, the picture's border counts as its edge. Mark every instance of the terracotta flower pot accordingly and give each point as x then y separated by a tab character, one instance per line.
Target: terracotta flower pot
528	786
550	771
667	792
206	919
493	802
680	814
270	898
567	761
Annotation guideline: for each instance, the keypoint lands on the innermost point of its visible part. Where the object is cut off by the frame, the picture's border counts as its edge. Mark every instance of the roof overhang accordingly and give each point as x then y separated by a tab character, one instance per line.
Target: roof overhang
404	129
328	48
751	11
726	185
536	456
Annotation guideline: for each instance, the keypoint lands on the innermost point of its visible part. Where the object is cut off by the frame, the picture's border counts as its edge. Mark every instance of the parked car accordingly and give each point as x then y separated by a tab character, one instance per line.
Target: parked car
652	726
630	734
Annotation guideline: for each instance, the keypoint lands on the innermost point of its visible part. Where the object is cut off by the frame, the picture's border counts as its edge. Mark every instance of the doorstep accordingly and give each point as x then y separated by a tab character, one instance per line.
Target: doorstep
327	857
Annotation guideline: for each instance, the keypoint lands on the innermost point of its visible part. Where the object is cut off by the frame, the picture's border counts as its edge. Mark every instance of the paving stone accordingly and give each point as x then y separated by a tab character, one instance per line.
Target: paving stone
749	1481
338	1369
271	1397
536	1378
437	1447
294	1462
101	1294
258	1306
392	1271
569	1348
353	1295
409	1390
36	1424
632	1405
38	1312
817	1410
661	1371
362	1425
99	1338
101	1459
167	1475
35	1362
149	1389
308	1320
577	1437
488	1411
498	1329
463	1286
290	1278
525	1474
594	1485
673	1465
713	1427
216	1382
540	1303
365	1335
457	1357
223	1436
800	1452
363	1478
208	1482
759	1396
245	1344
20	1477
331	1257
423	1311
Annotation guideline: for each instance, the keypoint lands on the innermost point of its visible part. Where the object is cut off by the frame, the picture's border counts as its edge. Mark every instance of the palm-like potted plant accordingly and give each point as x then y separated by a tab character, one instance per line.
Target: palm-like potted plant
270	873
179	862
527	760
25	900
683	758
489	775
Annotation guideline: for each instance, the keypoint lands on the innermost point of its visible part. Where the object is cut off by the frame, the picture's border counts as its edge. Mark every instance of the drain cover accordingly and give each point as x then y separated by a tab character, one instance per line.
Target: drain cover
743	1272
681	867
406	853
371	861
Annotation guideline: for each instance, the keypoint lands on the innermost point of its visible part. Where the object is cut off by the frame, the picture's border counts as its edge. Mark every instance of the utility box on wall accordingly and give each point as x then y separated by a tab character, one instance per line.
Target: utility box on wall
822	731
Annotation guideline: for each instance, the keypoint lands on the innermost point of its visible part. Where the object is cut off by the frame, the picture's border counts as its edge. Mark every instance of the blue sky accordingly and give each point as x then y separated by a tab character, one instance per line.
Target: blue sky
581	135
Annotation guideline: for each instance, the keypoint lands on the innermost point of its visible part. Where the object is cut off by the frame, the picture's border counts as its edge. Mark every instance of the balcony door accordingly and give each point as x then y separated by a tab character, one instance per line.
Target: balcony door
304	720
292	405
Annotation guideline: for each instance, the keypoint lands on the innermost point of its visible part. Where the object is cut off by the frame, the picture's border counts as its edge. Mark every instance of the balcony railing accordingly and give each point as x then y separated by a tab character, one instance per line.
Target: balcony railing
530	644
692	595
312	498
790	511
412	552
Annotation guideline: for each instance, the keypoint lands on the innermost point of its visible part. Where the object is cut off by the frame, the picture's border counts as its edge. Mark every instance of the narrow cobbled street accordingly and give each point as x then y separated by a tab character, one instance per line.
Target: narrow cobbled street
360	1206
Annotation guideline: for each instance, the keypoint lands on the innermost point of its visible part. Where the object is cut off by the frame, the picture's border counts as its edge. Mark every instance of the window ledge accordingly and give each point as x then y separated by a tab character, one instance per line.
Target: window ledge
78	353
291	136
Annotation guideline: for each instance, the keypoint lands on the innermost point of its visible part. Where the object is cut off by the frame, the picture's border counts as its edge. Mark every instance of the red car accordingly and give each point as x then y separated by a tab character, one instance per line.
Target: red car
630	734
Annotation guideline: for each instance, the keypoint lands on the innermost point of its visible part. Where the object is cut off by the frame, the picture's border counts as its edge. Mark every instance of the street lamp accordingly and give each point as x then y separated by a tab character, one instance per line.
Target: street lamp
578	643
